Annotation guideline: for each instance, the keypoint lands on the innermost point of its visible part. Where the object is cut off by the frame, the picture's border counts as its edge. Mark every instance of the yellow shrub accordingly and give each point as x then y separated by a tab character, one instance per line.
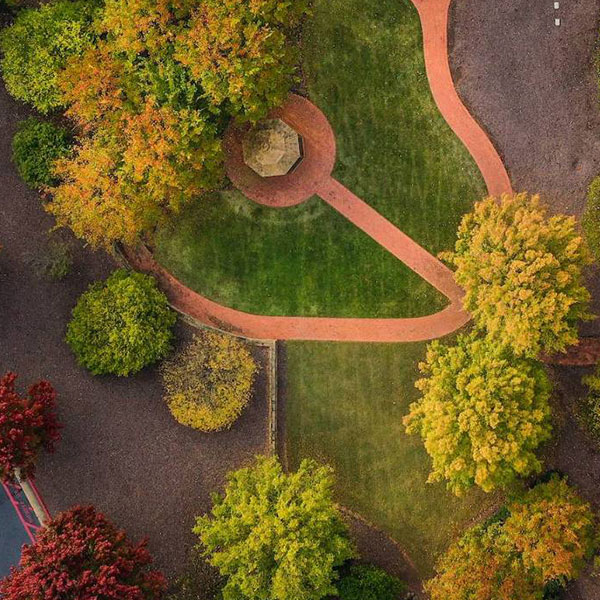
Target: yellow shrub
209	382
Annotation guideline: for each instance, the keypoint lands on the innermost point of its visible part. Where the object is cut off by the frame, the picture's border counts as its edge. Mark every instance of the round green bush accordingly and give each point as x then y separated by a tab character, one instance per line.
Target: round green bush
591	218
36	48
368	582
121	325
36	145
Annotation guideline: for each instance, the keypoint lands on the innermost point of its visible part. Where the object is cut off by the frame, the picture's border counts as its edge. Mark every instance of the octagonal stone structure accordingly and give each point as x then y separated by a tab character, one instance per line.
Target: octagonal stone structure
272	148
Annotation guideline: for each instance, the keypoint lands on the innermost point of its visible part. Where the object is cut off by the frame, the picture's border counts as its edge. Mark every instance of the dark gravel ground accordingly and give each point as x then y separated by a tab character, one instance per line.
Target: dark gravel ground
533	87
121	450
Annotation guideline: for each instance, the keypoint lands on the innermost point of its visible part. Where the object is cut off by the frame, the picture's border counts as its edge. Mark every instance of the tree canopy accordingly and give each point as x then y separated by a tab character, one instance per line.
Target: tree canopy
276	536
546	537
522	273
482	413
80	554
150	87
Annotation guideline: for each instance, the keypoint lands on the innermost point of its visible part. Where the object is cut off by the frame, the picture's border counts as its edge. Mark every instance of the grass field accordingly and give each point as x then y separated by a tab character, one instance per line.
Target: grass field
304	260
364	68
345	404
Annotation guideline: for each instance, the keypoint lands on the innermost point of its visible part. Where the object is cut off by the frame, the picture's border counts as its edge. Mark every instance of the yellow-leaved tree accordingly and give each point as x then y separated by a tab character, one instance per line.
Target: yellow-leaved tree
521	270
482	413
542	538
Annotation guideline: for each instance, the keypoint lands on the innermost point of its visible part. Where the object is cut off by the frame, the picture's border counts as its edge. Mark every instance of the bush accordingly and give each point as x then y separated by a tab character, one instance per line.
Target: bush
121	325
276	535
37	46
522	274
543	543
482	414
36	146
81	555
28	424
589	411
209	382
591	218
367	582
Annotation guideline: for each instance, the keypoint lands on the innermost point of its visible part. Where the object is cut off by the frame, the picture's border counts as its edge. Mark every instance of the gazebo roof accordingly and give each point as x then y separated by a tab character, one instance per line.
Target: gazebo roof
272	148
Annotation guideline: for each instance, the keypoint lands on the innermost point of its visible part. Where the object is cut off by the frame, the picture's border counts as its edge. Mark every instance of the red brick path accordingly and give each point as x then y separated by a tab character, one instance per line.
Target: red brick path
313	176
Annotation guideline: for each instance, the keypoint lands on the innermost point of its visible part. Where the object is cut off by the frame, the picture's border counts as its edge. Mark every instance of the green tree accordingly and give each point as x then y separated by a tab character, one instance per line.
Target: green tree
121	325
543	541
276	536
37	46
482	413
522	273
37	145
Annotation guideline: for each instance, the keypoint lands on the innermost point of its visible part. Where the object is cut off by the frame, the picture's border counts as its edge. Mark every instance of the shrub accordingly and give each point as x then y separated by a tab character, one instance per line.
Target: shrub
543	542
591	218
35	148
522	274
482	414
54	260
589	412
81	554
28	424
275	535
209	382
121	325
37	46
367	582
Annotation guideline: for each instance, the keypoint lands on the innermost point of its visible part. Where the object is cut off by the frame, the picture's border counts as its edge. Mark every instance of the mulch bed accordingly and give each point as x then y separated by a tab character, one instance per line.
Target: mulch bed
121	450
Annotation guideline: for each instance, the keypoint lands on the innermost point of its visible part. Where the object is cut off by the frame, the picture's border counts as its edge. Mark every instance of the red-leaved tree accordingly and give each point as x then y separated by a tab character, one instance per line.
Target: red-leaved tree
81	555
27	424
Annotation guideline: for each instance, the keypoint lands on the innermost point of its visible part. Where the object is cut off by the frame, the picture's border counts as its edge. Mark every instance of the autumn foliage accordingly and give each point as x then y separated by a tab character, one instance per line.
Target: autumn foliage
151	98
546	537
209	382
81	555
28	424
239	52
521	270
482	413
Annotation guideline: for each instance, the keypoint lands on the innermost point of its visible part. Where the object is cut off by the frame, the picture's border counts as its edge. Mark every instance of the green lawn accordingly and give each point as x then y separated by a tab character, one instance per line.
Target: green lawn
345	404
304	260
363	65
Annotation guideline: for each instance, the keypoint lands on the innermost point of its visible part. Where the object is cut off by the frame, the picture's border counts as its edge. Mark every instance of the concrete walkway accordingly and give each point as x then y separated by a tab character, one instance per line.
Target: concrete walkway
313	176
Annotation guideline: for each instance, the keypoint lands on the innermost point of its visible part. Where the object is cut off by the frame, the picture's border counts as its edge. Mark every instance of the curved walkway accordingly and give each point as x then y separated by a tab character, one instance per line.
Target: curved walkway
313	177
